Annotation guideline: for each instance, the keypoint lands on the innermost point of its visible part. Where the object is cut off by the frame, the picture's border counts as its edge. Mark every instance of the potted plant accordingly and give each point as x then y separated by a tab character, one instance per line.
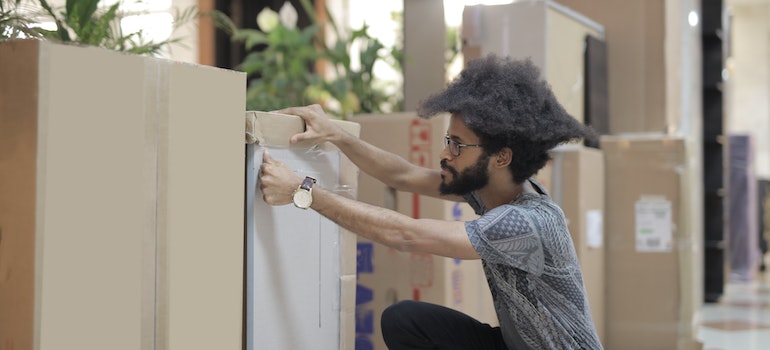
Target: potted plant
283	70
13	22
81	22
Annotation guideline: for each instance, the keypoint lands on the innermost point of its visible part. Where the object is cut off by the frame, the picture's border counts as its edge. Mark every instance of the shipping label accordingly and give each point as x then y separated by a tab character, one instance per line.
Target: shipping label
653	224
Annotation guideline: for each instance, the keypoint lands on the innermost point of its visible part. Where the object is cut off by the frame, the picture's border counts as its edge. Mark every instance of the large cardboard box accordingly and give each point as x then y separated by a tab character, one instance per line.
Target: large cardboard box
121	201
642	61
551	35
653	259
386	275
422	76
300	266
577	186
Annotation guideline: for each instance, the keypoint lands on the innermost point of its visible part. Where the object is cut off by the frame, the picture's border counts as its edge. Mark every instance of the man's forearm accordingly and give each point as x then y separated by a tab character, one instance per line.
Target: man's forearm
378	224
380	164
393	229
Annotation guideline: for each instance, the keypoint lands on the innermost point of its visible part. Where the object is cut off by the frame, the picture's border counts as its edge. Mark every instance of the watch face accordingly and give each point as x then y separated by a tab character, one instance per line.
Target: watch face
302	199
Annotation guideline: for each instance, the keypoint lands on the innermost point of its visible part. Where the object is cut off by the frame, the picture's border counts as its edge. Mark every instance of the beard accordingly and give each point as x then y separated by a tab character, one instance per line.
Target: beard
472	178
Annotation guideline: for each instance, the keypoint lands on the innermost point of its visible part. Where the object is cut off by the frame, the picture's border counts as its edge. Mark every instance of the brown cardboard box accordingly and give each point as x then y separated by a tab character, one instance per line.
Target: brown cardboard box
653	254
386	275
115	173
636	36
422	76
577	186
300	291
555	42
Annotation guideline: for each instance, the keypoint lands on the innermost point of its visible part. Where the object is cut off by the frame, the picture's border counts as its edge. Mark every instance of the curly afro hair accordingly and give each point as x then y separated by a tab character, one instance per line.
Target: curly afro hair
507	104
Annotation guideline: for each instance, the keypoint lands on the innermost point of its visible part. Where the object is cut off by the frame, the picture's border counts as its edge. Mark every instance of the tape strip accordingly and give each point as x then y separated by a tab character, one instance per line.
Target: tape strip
149	233
251	128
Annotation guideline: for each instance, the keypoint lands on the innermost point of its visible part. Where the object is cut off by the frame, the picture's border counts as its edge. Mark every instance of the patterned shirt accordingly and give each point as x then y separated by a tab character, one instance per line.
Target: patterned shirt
533	273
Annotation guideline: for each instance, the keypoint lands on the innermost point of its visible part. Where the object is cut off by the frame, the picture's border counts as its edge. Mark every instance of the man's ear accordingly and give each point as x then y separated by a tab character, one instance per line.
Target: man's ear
503	157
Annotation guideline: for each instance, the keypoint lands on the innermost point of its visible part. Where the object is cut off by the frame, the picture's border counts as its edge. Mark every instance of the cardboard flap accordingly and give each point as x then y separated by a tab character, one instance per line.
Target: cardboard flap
275	129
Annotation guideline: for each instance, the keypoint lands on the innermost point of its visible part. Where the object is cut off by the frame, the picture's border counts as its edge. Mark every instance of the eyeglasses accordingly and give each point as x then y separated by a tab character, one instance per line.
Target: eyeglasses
455	147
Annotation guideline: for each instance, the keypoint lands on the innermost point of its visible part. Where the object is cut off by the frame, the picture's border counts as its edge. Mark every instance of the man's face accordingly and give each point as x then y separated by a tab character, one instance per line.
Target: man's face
466	172
470	179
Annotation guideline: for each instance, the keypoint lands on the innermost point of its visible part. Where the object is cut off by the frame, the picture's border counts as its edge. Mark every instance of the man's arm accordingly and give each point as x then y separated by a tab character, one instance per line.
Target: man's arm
445	238
396	230
386	167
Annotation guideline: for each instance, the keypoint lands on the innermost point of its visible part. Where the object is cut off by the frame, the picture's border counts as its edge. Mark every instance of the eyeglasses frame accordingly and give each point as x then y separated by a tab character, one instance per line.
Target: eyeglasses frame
448	140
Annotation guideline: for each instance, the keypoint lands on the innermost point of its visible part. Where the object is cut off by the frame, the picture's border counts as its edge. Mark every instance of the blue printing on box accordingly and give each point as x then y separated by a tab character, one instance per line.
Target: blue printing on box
364	321
457	212
364	258
363	294
364	342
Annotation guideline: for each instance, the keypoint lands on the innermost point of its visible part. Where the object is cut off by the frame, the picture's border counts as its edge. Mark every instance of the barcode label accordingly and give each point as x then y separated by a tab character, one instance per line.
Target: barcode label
653	242
653	225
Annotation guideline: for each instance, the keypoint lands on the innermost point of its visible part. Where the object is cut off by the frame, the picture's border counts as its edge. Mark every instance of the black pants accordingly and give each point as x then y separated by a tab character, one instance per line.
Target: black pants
411	325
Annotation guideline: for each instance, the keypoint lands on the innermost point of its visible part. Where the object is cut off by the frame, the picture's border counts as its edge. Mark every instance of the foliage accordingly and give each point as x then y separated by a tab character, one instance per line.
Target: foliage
13	23
84	22
284	64
453	46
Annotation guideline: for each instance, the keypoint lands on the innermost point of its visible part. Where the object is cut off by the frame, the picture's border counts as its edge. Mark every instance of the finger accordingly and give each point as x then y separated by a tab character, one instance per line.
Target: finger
266	157
298	111
298	137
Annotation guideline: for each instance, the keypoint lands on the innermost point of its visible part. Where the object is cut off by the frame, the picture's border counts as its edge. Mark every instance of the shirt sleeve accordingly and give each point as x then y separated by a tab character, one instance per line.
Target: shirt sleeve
508	235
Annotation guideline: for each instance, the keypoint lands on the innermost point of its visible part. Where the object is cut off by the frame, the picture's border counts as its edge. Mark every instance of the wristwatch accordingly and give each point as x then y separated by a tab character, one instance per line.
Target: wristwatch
303	195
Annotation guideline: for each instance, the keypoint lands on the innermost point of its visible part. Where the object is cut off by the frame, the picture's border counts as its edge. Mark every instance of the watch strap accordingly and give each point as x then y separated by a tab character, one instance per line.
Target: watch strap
307	183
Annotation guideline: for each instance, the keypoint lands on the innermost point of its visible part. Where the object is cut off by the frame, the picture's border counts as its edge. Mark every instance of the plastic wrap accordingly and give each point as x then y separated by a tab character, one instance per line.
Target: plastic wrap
300	291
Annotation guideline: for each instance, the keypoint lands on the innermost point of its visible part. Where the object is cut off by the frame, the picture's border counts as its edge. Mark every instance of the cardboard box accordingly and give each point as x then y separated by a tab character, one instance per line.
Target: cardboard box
643	44
386	275
577	186
554	41
654	257
300	266
422	76
116	170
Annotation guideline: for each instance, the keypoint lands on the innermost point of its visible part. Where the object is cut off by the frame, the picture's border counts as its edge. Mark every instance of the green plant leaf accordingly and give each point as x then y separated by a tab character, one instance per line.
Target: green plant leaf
98	31
360	33
283	67
250	37
81	11
61	31
369	56
310	32
252	63
222	21
310	10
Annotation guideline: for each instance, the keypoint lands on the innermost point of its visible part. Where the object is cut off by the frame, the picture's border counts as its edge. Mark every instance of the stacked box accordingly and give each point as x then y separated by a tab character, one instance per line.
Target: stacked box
386	275
555	42
300	266
422	77
654	256
121	201
644	40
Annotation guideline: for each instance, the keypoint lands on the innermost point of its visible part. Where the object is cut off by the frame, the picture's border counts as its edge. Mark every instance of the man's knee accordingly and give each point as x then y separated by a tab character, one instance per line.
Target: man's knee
399	325
398	313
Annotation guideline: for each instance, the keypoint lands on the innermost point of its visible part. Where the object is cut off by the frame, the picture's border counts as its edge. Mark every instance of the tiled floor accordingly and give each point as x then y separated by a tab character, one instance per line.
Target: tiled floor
741	319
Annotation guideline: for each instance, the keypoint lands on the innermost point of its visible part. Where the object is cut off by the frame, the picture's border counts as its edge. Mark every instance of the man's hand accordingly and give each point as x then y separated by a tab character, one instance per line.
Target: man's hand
277	181
318	129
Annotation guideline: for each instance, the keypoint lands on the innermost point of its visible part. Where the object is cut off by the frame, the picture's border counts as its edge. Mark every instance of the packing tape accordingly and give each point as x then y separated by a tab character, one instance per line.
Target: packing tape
275	129
153	88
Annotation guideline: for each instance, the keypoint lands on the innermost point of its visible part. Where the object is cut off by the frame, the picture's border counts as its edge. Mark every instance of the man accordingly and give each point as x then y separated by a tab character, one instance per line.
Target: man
504	120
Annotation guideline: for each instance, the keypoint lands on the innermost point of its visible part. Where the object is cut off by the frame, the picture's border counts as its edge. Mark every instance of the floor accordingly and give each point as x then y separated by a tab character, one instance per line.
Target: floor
741	318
